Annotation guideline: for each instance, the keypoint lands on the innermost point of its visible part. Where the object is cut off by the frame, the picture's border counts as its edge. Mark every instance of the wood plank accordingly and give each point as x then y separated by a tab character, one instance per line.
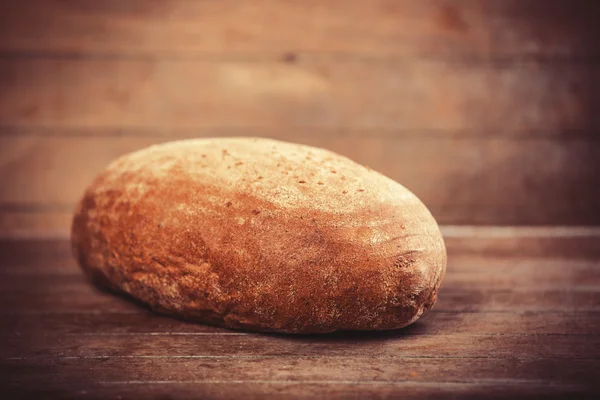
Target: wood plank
510	247
43	257
22	224
47	281
393	344
508	242
400	95
509	28
461	181
463	273
34	223
38	296
463	270
52	353
300	390
322	369
145	323
37	255
475	300
540	274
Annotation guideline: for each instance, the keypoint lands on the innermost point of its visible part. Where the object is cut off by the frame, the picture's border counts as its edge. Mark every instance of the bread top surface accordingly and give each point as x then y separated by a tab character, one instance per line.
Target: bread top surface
274	235
287	175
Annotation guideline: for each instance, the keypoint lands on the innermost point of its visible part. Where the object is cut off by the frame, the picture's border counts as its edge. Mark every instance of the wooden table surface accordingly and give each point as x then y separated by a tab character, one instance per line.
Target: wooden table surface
514	319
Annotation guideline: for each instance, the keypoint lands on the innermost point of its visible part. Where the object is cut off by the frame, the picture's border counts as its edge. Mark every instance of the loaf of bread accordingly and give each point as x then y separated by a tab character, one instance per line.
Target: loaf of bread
260	235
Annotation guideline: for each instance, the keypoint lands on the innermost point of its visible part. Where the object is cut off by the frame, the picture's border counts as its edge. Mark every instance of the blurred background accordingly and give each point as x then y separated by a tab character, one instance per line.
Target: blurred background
488	110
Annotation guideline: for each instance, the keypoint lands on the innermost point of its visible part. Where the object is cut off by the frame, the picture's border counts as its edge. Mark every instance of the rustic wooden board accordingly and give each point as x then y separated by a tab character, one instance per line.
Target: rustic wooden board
510	241
504	327
400	95
33	223
497	181
82	298
574	243
508	28
356	368
140	322
394	345
543	274
508	272
484	109
291	389
425	91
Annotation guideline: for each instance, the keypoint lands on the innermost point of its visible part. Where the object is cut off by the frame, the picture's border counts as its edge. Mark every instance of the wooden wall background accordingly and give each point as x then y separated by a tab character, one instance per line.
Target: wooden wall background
486	109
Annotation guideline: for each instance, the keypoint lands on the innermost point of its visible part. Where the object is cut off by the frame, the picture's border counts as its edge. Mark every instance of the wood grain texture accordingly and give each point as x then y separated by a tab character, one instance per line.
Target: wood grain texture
540	241
402	95
30	223
141	323
376	28
515	273
426	346
466	301
485	109
483	181
306	369
500	242
24	293
488	110
504	327
301	390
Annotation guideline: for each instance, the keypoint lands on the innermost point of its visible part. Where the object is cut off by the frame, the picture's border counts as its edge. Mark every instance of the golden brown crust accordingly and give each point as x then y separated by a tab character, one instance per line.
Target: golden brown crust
260	235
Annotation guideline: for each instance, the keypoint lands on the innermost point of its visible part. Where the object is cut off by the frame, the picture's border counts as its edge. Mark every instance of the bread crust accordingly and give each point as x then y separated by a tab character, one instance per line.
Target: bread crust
260	235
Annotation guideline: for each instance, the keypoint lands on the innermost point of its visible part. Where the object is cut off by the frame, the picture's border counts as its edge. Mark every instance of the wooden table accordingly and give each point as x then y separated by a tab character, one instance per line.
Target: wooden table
515	318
